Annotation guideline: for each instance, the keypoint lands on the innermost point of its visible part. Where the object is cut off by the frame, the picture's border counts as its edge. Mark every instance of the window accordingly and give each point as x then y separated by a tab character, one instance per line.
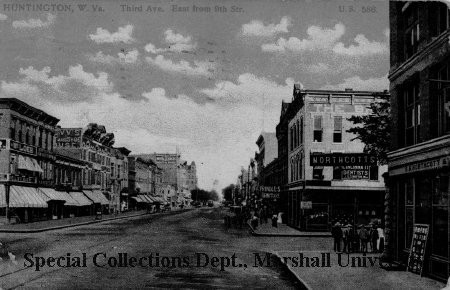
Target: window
12	130
412	114
373	172
317	129
318	172
337	172
412	30
301	130
439	18
337	133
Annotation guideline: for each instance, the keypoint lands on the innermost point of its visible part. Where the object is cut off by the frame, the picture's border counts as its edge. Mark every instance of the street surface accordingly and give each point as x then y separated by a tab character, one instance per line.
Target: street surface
176	234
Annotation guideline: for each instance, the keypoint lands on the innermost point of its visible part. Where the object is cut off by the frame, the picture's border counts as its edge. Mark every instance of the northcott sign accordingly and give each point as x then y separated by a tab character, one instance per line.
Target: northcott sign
342	159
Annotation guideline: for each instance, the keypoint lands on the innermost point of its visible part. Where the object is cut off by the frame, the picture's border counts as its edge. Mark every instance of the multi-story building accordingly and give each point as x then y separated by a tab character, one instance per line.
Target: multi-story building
288	110
168	162
93	146
119	179
267	190
419	172
330	178
26	159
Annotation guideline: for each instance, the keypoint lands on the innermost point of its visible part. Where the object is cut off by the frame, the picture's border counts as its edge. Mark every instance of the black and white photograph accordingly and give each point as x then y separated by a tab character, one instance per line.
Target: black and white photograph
234	144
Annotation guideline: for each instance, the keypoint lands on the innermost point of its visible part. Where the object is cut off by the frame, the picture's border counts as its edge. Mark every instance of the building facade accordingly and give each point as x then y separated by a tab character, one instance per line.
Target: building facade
420	104
26	159
328	181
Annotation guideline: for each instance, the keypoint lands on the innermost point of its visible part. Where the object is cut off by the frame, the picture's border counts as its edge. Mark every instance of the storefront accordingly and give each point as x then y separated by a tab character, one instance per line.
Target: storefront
26	204
419	179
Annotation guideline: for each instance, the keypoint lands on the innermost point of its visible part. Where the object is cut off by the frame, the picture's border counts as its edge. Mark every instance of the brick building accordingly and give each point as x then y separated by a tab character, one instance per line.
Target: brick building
420	99
326	181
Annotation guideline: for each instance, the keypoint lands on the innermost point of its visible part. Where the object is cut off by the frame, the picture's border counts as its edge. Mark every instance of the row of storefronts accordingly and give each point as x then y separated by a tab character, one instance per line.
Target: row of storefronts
29	204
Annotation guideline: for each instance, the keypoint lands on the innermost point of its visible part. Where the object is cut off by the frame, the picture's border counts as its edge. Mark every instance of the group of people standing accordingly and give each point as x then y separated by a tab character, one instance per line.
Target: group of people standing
364	238
262	215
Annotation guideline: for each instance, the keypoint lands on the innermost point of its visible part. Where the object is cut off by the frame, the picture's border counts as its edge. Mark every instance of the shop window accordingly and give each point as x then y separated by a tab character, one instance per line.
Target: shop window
409	222
409	192
440	231
317	129
373	172
441	190
318	172
337	133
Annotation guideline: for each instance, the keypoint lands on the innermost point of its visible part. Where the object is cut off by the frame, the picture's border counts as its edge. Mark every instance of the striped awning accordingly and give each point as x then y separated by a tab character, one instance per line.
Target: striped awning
102	197
80	198
96	196
59	195
21	196
139	198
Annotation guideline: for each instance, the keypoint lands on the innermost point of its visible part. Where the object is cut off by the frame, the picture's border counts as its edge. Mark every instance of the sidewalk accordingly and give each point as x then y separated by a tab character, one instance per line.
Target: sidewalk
267	230
43	226
343	275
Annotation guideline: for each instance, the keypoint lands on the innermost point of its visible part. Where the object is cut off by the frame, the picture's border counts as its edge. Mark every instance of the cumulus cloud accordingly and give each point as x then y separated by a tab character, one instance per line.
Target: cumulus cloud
176	43
39	86
363	47
34	23
357	83
3	17
318	38
257	28
123	34
128	57
199	68
158	123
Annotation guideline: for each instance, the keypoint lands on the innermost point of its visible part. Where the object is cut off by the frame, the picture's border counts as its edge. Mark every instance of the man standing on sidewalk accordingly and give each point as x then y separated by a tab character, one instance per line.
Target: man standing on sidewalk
336	232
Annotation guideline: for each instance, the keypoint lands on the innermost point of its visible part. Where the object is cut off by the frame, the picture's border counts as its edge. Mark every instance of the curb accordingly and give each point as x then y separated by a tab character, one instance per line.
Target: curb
289	268
254	233
75	225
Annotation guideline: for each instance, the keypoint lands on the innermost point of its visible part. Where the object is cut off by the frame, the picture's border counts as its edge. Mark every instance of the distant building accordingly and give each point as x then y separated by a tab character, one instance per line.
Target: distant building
168	162
419	163
330	179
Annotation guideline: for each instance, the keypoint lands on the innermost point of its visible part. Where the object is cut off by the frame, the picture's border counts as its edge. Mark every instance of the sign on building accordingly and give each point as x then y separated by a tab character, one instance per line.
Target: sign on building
355	172
68	137
306	204
342	159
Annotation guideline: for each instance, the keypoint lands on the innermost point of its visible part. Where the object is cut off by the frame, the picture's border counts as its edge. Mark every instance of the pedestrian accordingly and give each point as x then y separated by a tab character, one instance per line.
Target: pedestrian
380	238
364	238
374	238
346	238
274	220
336	233
351	238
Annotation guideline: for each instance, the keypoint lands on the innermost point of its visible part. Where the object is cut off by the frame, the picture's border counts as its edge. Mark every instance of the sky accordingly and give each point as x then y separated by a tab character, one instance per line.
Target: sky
177	75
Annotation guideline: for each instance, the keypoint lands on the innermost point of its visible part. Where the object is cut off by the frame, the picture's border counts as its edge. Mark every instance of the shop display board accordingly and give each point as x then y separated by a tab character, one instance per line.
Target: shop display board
418	246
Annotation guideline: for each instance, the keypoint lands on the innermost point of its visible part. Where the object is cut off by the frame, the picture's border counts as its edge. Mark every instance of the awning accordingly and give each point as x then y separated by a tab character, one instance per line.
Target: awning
80	198
21	196
96	196
37	168
148	198
28	163
59	195
102	197
157	199
139	198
